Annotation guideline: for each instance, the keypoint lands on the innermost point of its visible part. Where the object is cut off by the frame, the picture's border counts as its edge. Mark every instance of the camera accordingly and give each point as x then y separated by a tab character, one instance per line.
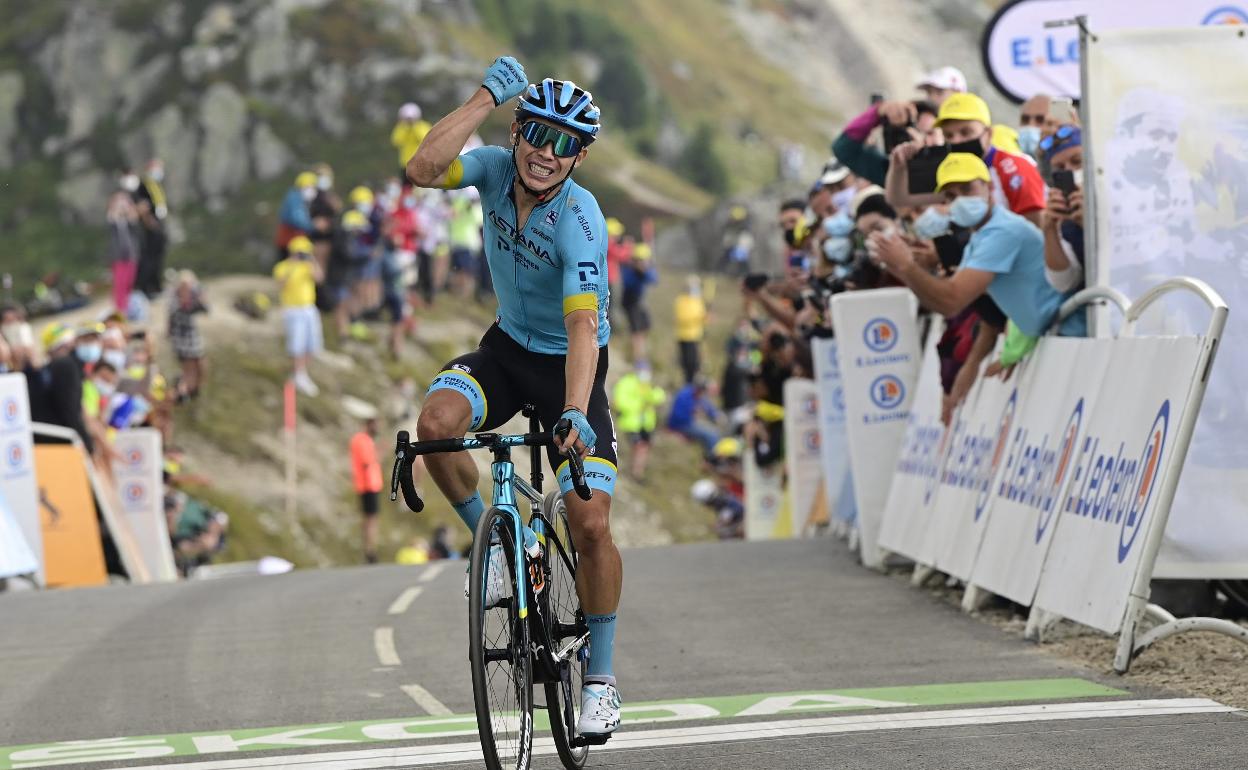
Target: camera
755	281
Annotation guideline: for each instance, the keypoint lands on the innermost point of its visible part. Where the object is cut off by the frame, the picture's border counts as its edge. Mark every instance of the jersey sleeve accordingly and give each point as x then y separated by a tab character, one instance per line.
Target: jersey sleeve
1021	182
484	168
583	247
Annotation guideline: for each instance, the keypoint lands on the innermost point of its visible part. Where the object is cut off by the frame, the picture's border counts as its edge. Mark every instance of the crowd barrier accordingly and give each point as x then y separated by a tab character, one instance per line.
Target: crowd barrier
1053	488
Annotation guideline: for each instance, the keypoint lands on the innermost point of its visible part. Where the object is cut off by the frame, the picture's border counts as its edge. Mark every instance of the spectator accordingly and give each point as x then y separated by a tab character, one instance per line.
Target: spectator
738	242
690	314
729	509
938	85
441	547
637	399
97	391
834	179
637	274
323	209
366	474
765	431
184	336
294	219
414	553
56	388
16	331
113	344
408	133
297	276
153	210
1032	117
901	121
619	252
1005	256
363	274
690	401
466	221
124	240
1063	219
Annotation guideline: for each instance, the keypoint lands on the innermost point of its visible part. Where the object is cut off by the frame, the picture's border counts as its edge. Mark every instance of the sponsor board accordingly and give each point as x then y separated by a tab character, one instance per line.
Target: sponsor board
767	507
803	455
20	538
833	444
140	487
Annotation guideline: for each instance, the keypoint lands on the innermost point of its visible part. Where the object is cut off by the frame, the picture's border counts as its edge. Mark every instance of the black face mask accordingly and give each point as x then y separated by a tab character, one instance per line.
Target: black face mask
790	236
973	146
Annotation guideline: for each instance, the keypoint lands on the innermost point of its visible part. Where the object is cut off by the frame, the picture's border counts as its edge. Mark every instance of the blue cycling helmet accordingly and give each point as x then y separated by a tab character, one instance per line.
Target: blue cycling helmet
562	102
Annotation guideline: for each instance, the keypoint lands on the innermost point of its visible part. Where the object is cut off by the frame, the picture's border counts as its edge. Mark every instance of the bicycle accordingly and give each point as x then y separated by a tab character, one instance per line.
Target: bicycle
548	645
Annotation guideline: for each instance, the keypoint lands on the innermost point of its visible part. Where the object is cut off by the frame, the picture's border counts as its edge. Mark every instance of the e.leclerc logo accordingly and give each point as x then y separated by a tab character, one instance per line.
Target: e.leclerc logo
880	335
134	457
1116	490
887	392
9	411
14	455
1064	456
1225	14
998	451
135	492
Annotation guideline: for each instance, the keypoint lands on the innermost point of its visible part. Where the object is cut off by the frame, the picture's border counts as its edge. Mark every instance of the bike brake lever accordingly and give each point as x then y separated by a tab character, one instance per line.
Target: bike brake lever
575	467
401	477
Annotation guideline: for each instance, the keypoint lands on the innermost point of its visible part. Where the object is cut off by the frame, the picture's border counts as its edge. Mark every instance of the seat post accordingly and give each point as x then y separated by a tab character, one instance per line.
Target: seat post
535	453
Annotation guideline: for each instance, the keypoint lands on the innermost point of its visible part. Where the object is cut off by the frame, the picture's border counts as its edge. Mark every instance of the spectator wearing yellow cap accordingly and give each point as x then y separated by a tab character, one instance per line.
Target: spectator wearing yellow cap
294	219
966	123
636	275
410	130
1004	258
297	276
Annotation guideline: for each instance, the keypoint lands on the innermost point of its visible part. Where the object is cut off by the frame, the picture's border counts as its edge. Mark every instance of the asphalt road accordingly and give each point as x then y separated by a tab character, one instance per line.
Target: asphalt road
367	667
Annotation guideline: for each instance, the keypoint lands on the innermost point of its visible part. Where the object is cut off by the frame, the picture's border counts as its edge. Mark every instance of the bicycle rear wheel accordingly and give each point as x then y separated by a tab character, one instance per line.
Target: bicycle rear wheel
567	626
502	671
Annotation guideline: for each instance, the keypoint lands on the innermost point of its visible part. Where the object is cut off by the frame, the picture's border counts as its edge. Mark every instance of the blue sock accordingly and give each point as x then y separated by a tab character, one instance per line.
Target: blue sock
601	648
470	510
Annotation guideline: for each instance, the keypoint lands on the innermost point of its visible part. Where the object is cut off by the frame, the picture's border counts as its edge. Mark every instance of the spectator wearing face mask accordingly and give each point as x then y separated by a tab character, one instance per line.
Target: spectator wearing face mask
297	276
966	123
293	218
1031	119
56	388
1004	258
324	210
153	210
125	240
1063	219
184	335
96	392
408	133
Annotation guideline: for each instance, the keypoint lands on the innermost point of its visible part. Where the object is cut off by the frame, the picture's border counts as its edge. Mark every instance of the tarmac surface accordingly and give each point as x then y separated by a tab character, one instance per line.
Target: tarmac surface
729	655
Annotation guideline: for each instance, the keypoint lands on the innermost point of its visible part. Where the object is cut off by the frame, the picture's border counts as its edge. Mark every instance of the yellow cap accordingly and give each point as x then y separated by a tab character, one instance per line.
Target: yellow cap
354	220
615	228
299	245
88	329
642	251
738	213
306	179
52	332
1006	138
361	194
964	107
729	446
960	167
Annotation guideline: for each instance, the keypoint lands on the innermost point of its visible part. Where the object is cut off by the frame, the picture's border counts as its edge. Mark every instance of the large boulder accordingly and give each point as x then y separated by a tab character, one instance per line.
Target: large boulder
223	155
12	89
272	52
269	155
169	136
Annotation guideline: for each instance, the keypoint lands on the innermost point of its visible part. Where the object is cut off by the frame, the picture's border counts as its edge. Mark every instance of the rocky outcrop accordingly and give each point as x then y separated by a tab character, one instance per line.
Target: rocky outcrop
223	165
12	89
269	156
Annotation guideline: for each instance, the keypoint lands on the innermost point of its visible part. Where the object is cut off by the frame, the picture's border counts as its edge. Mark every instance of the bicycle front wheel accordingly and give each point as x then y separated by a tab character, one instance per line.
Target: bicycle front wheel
567	628
502	671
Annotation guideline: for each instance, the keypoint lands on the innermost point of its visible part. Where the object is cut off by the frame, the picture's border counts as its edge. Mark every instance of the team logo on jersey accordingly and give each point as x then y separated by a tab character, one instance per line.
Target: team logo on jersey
552	217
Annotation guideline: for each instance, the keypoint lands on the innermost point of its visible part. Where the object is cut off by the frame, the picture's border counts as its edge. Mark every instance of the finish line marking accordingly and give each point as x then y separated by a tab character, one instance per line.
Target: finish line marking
359	735
732	733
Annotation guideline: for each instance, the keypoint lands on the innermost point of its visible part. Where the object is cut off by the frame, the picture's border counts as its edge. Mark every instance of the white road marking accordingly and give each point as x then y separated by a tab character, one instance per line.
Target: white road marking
404	601
431	572
411	756
383	642
425	699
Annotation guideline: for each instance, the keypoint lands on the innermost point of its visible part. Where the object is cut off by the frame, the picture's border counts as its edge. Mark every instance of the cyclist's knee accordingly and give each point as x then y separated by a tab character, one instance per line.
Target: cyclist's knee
443	418
591	525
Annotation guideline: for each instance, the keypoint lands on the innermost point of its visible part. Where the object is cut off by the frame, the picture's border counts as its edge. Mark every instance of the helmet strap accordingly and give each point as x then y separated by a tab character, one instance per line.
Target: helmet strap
541	195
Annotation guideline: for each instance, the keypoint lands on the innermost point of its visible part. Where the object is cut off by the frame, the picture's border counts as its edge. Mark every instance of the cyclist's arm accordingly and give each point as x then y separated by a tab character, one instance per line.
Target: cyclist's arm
582	360
583	237
436	162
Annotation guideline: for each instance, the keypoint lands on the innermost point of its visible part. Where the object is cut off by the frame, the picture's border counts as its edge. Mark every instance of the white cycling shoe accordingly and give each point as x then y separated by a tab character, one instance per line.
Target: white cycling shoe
497	586
600	710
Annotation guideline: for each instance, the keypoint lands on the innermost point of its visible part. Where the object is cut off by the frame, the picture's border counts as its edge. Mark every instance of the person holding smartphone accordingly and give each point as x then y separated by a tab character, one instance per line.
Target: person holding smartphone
1063	218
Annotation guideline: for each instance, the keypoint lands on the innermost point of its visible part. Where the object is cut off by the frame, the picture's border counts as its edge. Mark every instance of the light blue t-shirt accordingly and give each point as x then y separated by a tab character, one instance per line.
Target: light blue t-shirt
555	265
1013	248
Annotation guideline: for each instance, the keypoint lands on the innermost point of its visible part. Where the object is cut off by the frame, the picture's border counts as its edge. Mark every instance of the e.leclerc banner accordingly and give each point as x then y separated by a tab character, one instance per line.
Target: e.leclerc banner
833	443
803	459
878	348
1022	57
17	481
141	489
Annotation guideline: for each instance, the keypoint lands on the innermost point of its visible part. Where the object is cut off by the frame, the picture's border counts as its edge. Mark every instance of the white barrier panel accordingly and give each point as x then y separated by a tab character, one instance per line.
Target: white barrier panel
1057	393
803	458
1165	128
980	430
16	558
1121	463
834	446
17	466
766	504
907	512
141	488
878	349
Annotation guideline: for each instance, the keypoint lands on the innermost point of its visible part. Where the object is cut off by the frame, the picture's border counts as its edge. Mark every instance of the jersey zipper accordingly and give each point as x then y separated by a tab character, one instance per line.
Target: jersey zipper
517	245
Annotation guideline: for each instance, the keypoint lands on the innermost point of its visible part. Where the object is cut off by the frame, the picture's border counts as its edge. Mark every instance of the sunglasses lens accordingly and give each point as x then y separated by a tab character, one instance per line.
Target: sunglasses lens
539	135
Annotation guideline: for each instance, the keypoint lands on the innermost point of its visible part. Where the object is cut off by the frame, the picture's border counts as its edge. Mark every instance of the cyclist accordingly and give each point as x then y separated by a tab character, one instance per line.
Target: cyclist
546	245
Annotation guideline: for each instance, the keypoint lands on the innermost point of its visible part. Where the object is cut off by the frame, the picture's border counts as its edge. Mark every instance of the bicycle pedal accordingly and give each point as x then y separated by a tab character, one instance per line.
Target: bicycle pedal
590	740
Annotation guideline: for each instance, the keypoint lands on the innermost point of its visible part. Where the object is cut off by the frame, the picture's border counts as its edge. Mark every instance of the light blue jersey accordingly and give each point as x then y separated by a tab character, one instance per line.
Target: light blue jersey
555	265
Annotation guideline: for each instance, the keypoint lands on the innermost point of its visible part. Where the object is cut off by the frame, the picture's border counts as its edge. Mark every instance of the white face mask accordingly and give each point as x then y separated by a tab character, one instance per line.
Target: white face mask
157	174
115	358
130	182
106	388
324	182
364	207
308	193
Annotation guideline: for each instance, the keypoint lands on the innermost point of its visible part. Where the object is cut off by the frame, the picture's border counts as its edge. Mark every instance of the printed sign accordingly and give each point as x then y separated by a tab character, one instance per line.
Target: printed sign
767	514
803	455
71	532
878	352
20	517
141	489
833	443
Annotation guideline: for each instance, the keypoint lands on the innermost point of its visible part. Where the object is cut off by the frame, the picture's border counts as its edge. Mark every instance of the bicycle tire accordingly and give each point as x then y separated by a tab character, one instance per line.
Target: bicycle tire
563	699
500	648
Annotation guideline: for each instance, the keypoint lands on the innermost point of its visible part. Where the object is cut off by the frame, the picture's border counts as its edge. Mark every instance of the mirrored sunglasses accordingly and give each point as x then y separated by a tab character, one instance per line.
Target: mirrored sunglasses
563	144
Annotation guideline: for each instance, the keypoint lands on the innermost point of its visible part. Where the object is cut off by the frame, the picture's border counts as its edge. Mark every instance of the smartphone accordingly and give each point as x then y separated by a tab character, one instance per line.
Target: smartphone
922	168
877	98
1064	181
1062	110
755	281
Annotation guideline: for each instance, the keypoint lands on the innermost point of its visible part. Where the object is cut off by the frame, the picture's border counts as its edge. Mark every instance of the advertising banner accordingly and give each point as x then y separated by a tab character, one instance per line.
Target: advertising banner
1023	57
803	457
878	351
767	514
71	533
17	468
1128	450
833	443
16	558
976	446
907	512
1168	121
1047	418
141	489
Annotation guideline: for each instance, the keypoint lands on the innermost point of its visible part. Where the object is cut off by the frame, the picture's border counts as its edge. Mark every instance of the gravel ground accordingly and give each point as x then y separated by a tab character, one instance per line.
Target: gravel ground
1201	664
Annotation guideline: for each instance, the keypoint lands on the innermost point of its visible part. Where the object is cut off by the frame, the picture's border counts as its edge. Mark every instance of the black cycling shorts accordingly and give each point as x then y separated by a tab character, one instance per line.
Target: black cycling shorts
501	376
